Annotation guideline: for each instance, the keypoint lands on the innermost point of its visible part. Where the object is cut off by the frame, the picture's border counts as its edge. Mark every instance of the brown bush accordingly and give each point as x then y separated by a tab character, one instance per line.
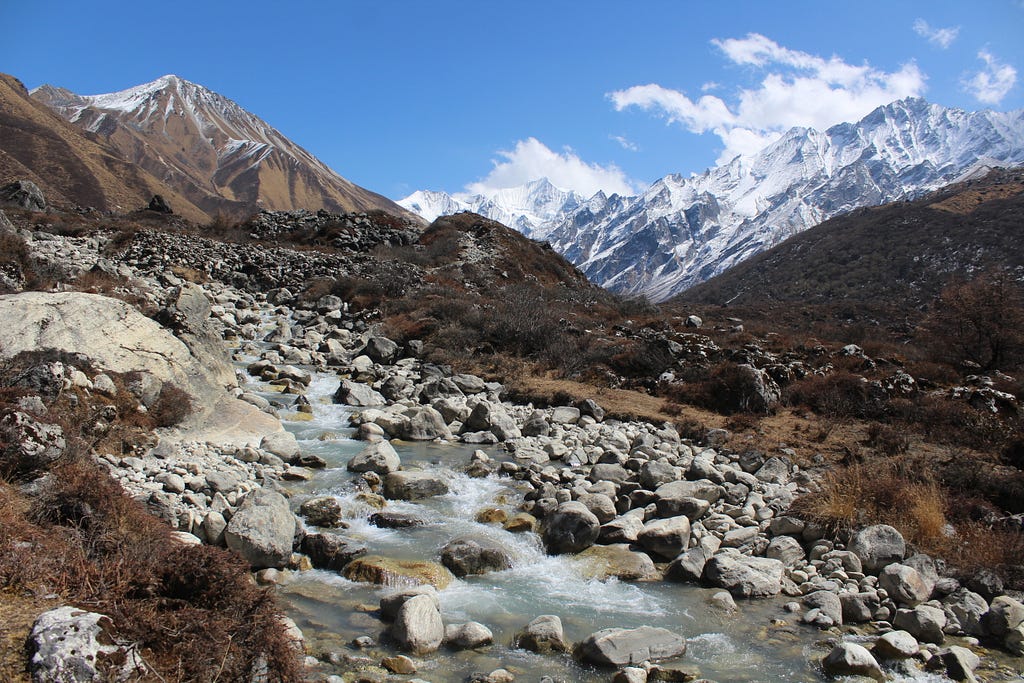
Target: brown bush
172	406
887	440
837	395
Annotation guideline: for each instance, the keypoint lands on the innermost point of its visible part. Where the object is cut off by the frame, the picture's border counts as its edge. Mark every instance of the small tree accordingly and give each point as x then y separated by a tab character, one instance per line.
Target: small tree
979	322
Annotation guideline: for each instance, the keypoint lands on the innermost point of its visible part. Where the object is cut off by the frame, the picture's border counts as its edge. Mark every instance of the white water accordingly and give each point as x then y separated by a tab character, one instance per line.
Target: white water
332	611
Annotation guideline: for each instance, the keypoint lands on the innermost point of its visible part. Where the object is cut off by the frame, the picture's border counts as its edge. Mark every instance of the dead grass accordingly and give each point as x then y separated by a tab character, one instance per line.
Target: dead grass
20	612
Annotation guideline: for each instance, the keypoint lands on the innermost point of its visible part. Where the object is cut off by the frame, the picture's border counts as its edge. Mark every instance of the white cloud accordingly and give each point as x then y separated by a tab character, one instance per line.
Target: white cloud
625	143
797	89
531	159
943	37
991	84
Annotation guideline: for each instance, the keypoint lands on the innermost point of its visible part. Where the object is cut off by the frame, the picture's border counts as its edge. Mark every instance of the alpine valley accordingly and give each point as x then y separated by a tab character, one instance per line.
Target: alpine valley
683	230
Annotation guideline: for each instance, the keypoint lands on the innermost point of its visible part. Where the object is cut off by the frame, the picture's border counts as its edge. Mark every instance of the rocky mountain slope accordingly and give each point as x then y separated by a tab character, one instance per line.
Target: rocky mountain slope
684	230
72	166
900	253
221	157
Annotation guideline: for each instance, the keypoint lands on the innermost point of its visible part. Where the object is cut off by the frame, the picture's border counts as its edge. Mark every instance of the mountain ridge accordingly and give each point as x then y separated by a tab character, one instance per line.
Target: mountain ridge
211	150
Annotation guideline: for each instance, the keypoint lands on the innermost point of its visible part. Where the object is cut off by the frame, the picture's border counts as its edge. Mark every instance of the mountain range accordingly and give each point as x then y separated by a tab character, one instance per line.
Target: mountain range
684	230
207	152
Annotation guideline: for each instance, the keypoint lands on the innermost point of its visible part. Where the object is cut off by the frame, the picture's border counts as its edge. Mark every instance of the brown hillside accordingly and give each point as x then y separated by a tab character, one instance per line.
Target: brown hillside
224	159
69	165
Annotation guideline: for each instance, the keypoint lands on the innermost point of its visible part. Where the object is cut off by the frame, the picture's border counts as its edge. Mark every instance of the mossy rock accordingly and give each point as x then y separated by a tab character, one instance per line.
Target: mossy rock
386	571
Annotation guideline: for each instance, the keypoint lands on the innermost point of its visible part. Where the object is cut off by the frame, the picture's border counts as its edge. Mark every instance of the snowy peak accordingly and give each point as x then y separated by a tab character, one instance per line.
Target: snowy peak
682	231
532	209
225	159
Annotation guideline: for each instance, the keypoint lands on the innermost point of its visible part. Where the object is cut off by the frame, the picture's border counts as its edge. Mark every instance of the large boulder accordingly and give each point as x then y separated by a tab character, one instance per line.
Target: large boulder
924	622
851	659
262	529
379	457
27	444
904	584
570	528
666	537
358	394
71	645
381	350
385	571
542	635
418	627
118	338
877	546
330	551
491	417
465	556
744	576
622	647
23	194
607	561
413	485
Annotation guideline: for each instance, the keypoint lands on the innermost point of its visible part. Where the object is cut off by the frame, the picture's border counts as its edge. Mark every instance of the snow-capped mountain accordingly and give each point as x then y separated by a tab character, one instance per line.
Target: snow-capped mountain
682	231
532	209
220	156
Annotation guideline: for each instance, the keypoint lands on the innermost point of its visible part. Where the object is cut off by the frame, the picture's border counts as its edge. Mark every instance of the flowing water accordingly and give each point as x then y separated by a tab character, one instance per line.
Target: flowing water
332	611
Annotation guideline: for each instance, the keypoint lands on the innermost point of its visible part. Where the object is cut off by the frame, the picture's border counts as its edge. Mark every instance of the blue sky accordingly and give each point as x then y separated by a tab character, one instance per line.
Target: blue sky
452	95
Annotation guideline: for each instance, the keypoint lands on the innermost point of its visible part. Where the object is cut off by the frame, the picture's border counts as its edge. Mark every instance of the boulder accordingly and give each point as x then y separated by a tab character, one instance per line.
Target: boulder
381	350
385	571
896	645
27	445
786	550
859	608
851	659
23	194
622	647
418	627
322	511
829	608
379	457
570	529
666	537
358	394
969	608
262	529
674	497
1004	615
281	444
391	602
413	485
158	204
606	561
330	551
924	622
904	584
543	635
71	645
467	636
426	424
589	407
491	417
465	556
745	576
877	546
960	663
688	567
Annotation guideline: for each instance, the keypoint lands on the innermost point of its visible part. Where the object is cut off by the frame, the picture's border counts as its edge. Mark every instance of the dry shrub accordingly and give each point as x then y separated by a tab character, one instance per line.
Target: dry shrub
887	440
194	609
727	389
864	494
977	546
172	406
837	395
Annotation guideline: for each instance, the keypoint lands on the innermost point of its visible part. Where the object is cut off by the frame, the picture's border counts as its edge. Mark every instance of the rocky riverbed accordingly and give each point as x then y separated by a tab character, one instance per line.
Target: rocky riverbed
629	517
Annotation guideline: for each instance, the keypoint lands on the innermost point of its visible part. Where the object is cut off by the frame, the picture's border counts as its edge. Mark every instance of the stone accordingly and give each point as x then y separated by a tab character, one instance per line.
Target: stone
924	622
859	608
385	571
630	674
491	417
159	205
261	529
27	444
621	647
24	194
654	473
399	664
666	537
602	562
877	546
622	529
565	415
322	511
465	556
391	519
828	604
381	350
688	567
969	608
281	444
570	529
601	505
71	645
520	522
543	635
467	636
590	408
671	498
960	663
379	457
392	602
330	551
904	584
786	550
426	424
745	576
213	527
418	627
896	645
413	485
358	394
1004	615
469	384
851	659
